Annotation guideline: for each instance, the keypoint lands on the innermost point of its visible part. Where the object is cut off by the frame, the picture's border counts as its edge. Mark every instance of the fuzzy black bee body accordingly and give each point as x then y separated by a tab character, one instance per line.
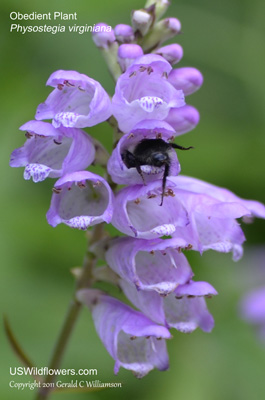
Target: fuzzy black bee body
154	152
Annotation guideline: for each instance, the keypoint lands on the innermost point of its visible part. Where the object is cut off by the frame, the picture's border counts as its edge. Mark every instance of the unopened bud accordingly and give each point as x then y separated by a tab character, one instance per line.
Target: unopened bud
187	79
127	53
161	7
103	35
124	33
183	119
142	21
162	31
173	53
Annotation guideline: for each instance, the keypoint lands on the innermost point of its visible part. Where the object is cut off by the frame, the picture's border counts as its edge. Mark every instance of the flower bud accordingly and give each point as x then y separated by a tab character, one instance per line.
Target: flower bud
173	53
162	31
127	53
103	35
188	79
142	21
161	7
124	33
183	119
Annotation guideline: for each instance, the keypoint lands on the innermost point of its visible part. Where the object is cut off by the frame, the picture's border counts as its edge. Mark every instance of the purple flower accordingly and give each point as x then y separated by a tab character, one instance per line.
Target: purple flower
77	101
185	309
183	119
137	211
144	92
51	152
124	33
148	129
253	309
187	79
127	54
103	35
80	199
173	53
133	340
201	214
150	264
212	212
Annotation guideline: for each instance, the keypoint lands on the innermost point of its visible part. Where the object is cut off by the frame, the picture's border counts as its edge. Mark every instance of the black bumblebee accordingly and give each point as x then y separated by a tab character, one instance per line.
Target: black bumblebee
154	152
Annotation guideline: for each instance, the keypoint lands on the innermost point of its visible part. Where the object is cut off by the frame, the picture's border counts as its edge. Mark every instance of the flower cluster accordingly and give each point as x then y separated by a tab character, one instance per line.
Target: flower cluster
150	109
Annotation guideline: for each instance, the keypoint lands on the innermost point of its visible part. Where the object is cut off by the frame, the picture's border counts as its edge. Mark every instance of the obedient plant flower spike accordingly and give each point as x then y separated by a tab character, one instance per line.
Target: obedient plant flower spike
161	7
108	46
162	30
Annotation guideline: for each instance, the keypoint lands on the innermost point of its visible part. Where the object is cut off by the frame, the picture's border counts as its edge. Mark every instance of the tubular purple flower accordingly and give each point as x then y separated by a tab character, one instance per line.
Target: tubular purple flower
124	33
127	54
77	101
253	309
80	199
133	340
173	53
144	92
187	79
103	35
185	309
51	152
148	129
212	212
137	212
150	264
252	208
183	119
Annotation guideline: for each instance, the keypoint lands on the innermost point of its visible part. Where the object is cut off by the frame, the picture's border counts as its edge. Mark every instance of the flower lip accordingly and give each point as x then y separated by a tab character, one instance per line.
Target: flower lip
195	289
148	129
77	101
81	199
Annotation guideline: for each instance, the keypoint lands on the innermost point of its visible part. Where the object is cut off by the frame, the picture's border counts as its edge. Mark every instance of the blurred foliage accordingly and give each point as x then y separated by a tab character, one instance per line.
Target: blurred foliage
225	40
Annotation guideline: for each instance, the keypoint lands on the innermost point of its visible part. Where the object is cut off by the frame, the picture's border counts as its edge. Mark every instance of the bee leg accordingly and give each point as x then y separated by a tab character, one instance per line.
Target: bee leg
140	172
166	172
176	146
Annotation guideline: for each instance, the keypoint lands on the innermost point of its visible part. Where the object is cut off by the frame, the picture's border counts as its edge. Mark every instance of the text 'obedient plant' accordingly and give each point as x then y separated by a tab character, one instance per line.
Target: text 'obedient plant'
149	103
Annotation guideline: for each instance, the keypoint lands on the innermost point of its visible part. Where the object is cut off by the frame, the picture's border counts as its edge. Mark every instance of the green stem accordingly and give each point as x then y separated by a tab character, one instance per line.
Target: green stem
73	312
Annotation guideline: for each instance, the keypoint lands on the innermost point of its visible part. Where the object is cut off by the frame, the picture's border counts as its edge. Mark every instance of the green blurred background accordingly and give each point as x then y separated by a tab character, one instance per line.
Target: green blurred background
225	40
